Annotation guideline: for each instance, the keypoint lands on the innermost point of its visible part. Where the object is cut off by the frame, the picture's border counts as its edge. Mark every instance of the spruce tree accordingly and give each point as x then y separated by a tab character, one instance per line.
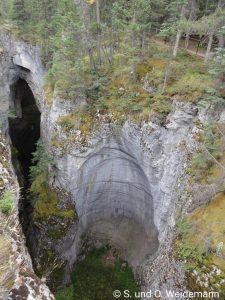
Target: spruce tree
19	13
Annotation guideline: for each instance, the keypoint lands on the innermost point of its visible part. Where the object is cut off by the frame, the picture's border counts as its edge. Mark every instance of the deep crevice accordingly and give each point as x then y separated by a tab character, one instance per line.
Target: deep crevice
24	131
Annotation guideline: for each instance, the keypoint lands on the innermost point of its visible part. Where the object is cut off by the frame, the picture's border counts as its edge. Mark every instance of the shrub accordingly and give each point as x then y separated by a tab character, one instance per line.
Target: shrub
41	160
12	114
46	199
68	122
6	202
195	253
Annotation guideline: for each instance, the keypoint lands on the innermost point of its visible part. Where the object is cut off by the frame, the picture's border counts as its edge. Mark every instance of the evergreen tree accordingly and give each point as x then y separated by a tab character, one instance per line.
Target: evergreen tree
5	8
19	12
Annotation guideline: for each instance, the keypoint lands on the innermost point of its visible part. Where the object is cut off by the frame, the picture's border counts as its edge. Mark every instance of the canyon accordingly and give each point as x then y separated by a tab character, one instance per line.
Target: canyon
124	186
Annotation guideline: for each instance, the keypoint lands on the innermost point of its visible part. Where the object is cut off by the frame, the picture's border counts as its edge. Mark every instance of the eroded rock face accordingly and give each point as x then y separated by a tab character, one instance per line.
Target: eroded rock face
114	202
19	61
17	278
135	173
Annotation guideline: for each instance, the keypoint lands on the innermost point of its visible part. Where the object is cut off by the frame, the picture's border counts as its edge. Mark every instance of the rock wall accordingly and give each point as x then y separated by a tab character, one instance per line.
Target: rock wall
136	172
18	61
149	155
17	278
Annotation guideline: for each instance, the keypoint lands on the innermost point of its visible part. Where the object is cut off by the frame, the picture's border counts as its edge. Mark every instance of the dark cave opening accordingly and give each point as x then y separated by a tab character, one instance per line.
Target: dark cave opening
24	131
24	127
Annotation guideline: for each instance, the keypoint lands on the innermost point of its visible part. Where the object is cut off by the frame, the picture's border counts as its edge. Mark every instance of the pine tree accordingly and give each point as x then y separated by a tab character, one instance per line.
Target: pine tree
5	8
19	12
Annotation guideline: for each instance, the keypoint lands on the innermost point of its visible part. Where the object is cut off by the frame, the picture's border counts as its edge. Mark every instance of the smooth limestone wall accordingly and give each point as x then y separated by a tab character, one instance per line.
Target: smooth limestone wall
114	202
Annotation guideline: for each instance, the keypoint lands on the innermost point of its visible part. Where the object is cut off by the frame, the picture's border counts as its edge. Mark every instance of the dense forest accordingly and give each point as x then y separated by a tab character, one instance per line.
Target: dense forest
93	36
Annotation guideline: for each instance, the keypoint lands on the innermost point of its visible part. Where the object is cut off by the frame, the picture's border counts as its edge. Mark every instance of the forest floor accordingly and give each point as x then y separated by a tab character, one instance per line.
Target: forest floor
192	48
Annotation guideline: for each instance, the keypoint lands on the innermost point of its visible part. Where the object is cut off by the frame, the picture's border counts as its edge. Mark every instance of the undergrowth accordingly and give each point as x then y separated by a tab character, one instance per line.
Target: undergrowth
98	275
7	202
133	87
200	245
45	200
208	163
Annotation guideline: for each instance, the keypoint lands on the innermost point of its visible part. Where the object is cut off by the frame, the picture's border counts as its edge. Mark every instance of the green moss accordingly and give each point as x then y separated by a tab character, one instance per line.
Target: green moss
56	233
51	266
201	246
51	254
49	94
7	202
56	143
142	69
191	86
205	227
46	201
67	122
65	294
98	275
208	224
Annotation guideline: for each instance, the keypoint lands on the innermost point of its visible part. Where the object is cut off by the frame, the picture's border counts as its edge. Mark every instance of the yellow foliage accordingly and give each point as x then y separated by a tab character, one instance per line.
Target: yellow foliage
90	2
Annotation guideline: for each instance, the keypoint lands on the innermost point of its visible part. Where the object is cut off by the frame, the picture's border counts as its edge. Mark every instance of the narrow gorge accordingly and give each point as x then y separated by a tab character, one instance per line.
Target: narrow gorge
112	154
107	192
108	188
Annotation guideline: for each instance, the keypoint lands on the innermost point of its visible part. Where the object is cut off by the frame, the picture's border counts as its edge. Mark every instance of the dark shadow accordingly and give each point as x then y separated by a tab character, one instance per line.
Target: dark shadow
24	131
24	127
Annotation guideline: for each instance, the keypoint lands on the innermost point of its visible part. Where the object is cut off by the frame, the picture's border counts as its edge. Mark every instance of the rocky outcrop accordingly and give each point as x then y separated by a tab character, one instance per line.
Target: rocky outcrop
18	60
17	278
134	172
149	155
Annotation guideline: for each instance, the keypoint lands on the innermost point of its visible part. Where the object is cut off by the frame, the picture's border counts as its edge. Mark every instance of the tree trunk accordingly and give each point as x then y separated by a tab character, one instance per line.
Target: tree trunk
221	43
112	45
86	37
192	16
133	35
92	61
187	40
176	45
208	47
179	33
167	68
98	31
143	38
